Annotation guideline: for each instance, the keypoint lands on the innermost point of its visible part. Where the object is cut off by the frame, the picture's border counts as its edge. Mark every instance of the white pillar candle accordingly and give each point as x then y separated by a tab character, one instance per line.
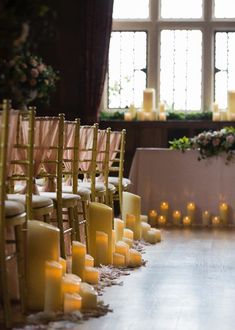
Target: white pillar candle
231	101
128	233
63	263
187	221
78	258
191	209
140	115
164	209
101	252
162	220
153	236
72	302
100	218
143	218
152	218
215	221
53	281
215	107
127	116
128	241
216	116
176	217
144	229
223	213
130	222
118	227
89	261
161	107
119	260
122	248
91	275
71	283
149	99
43	243
135	259
162	116
89	296
132	205
206	218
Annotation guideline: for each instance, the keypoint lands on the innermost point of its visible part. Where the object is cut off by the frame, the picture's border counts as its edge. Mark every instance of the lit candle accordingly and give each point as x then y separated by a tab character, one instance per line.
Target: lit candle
206	218
128	241
162	220
132	205
43	243
135	258
119	260
187	220
149	99
144	228
153	236
152	218
128	233
130	222
191	207
118	227
122	248
72	302
71	283
176	217
63	263
53	281
91	275
100	218
89	261
101	253
127	116
215	221
89	296
164	208
143	218
78	258
223	213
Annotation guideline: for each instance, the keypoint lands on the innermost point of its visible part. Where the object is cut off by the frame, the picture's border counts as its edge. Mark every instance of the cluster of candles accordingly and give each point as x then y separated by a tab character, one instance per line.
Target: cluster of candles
176	217
229	114
148	112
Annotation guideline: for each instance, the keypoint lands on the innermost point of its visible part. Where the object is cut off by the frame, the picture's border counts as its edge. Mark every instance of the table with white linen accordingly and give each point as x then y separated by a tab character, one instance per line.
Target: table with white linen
176	177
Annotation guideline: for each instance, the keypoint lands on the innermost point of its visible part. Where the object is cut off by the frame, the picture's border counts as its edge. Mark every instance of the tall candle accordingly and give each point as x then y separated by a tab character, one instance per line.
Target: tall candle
144	229
53	281
101	253
130	222
149	99
223	213
118	227
231	101
132	205
206	218
91	275
119	260
78	258
152	218
100	218
191	208
135	258
122	248
43	243
176	217
164	209
72	302
89	296
63	263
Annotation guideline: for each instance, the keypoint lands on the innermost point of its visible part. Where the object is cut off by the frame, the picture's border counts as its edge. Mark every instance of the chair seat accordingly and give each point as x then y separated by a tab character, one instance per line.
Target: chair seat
38	201
125	182
99	186
82	191
13	208
68	200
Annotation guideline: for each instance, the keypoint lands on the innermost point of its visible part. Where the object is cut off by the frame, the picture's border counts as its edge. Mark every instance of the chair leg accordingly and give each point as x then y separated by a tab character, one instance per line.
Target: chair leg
59	219
77	235
71	221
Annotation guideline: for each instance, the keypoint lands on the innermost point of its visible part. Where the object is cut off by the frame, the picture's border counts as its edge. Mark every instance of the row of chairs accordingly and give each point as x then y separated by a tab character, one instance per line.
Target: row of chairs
50	169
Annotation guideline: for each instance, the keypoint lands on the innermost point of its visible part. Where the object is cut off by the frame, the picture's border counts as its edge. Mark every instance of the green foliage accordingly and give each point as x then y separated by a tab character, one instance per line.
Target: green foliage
181	144
108	115
206	115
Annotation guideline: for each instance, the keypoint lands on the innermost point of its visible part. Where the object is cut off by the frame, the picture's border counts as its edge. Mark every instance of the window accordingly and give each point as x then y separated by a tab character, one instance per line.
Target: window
185	49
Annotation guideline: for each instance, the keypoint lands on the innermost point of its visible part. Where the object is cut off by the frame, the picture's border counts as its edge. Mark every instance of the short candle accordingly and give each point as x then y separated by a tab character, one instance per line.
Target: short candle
152	218
162	220
101	255
91	275
122	248
223	213
135	258
144	229
72	302
206	218
143	218
191	207
215	221
71	283
53	280
153	236
128	241
89	261
89	296
187	221
164	208
176	217
119	260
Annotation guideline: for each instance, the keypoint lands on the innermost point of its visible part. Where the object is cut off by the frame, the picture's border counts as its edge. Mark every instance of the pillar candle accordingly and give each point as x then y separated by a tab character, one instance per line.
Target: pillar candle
162	116
144	218
176	217
161	107
162	220
223	213
89	296
135	259
187	221
78	258
215	107
153	236
101	252
118	227
72	302
149	99
43	243
53	281
216	116
206	218
113	240
89	261
140	115
128	233
100	218
215	221
91	275
164	209
63	263
130	222
128	241
122	248
144	228
152	218
231	101
127	116
119	260
71	283
191	208
132	205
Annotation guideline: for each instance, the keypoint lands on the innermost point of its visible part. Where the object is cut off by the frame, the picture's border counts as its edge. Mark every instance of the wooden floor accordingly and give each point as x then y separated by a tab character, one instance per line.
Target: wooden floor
188	284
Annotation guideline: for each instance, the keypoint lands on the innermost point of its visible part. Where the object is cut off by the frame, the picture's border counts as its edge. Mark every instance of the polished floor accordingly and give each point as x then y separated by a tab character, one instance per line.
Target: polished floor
187	284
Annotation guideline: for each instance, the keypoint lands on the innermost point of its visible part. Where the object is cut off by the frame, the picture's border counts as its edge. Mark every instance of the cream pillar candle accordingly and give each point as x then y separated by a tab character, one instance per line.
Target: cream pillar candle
215	221
162	220
42	245
113	240
128	241
101	253
143	218
118	227
91	275
135	259
128	233
122	248
63	263
140	115
162	116
149	99
231	101
176	217
119	260
71	283
144	229
53	289
191	208
72	302
216	116
164	209
153	236
130	222
89	296
161	107
187	221
206	218
152	218
78	258
100	218
223	213
89	261
132	205
127	116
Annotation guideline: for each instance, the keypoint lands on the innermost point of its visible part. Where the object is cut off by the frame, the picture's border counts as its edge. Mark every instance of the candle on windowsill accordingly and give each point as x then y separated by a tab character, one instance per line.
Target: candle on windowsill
72	302
191	208
162	116
119	260
187	221
176	218
89	296
152	218
223	213
53	288
206	218
149	99
101	253
127	116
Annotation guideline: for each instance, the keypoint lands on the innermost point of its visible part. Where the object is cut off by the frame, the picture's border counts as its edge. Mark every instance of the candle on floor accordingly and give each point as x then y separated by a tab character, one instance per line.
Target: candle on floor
152	218
63	263
43	243
132	205
176	217
72	302
53	281
113	240
89	261
206	218
89	296
215	221
118	227
128	241
191	208
128	233
144	229
71	283
162	220
223	213
130	222
164	209
91	275
187	221
78	258
119	260
135	259
143	218
122	248
153	236
100	218
101	253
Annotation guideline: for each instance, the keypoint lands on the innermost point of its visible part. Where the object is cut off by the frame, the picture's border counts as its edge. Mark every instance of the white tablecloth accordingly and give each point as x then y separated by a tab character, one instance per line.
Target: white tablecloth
170	175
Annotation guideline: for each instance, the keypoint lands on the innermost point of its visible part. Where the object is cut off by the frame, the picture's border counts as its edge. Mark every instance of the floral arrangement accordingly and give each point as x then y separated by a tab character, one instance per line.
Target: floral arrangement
209	143
30	79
